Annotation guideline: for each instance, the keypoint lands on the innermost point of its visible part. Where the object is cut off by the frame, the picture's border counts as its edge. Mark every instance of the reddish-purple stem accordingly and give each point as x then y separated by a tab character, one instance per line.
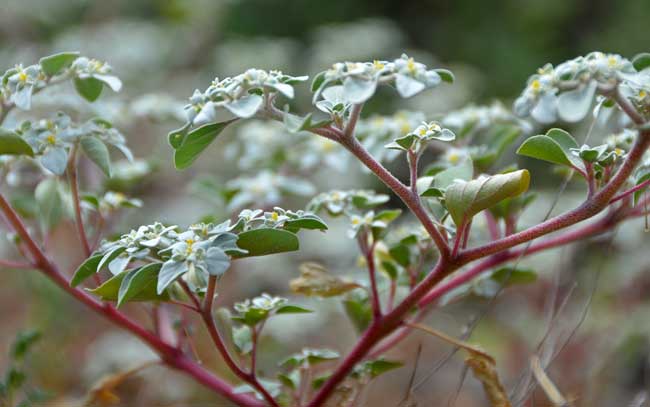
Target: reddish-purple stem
170	355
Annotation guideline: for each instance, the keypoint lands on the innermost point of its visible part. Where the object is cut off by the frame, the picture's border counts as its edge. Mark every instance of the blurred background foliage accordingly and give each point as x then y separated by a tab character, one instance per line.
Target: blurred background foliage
164	49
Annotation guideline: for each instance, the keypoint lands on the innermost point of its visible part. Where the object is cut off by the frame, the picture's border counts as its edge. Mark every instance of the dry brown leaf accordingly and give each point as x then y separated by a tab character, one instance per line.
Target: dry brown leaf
315	280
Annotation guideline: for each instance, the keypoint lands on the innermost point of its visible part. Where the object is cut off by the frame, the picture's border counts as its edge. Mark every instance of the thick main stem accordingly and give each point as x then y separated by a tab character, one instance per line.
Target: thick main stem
446	265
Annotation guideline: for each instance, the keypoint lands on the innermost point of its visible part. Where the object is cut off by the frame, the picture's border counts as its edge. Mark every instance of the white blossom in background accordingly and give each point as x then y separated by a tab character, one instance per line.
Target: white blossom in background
237	55
372	38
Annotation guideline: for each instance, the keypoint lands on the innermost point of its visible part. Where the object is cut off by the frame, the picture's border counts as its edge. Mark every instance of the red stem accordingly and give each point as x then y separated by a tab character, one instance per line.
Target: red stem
15	264
369	252
589	208
74	189
630	191
406	195
206	314
445	266
171	356
492	225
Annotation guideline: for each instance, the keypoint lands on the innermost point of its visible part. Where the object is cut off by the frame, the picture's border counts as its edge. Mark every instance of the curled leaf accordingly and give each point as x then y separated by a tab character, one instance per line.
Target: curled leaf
466	199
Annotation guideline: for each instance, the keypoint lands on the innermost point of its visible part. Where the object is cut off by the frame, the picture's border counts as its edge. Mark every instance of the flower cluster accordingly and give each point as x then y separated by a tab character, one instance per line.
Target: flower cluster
475	119
265	188
269	145
51	140
90	75
341	202
278	218
417	139
251	312
360	79
21	82
568	89
242	95
377	131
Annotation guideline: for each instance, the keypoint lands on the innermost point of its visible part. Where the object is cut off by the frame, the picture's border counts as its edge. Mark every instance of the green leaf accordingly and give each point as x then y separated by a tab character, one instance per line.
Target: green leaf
641	61
555	147
96	151
260	242
509	275
318	81
88	88
109	256
466	199
498	140
109	291
54	64
310	222
242	339
138	281
463	171
641	176
50	202
403	143
292	309
176	137
295	123
401	254
446	75
388	215
13	144
86	269
358	309
24	341
374	368
195	142
169	272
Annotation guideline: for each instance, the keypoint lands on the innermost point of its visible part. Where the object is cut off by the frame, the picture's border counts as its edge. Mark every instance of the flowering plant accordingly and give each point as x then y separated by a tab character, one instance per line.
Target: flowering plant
411	268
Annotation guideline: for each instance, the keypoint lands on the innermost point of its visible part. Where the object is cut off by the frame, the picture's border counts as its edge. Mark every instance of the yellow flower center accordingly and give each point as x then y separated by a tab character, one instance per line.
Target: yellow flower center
355	221
327	145
378	65
422	131
274	216
536	85
453	158
410	65
51	139
190	244
642	94
612	61
22	76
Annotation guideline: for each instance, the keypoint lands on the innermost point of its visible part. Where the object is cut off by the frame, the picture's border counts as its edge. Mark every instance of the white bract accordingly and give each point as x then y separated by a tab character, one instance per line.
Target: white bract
359	80
242	95
567	91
